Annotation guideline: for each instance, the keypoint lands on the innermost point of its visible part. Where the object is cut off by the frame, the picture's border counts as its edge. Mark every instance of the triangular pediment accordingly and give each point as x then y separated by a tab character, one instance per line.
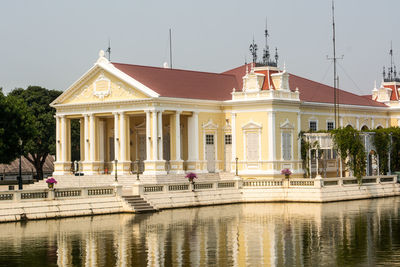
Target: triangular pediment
210	125
103	87
104	83
251	125
287	125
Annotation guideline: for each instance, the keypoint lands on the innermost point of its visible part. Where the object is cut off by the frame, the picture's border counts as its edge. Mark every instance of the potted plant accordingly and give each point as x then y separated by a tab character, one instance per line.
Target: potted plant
191	176
50	182
286	172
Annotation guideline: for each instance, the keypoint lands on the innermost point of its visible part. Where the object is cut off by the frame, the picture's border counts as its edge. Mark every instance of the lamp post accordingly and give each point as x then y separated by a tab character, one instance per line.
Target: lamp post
115	170
20	168
236	171
137	170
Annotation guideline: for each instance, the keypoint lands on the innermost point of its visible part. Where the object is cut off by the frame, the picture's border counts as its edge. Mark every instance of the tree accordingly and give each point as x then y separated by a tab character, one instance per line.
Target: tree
41	142
15	121
348	143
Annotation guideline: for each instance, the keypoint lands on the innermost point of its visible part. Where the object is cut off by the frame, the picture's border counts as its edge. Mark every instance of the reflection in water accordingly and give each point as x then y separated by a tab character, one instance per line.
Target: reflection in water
356	233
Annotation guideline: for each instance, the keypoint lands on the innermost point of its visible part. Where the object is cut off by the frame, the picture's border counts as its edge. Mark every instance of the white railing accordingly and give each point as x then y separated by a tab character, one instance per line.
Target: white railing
366	180
185	187
322	182
62	193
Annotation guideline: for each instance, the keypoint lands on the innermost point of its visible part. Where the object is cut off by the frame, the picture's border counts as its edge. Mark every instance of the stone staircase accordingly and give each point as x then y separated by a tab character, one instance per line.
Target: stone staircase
138	204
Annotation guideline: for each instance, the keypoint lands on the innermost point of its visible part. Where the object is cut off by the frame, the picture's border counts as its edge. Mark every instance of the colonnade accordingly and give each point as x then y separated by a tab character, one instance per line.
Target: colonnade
95	131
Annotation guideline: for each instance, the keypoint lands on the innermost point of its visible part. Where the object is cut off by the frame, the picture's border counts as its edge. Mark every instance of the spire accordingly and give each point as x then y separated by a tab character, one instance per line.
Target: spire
391	74
276	56
266	54
253	51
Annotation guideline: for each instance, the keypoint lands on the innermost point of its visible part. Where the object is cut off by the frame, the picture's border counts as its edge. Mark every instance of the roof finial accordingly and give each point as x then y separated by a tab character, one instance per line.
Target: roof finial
108	51
253	51
276	56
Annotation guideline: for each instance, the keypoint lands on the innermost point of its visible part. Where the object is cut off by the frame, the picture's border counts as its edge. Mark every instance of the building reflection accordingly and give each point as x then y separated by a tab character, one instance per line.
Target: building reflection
274	234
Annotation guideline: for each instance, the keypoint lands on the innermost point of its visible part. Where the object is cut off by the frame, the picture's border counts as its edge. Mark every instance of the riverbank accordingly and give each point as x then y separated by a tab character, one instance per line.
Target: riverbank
44	203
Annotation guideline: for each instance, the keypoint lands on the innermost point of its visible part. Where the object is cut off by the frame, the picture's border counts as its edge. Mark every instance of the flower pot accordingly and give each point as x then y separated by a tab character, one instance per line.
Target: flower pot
50	185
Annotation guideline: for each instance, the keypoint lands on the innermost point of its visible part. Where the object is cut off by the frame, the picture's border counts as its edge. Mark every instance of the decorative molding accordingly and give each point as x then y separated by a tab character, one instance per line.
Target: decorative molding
287	125
210	125
251	125
102	93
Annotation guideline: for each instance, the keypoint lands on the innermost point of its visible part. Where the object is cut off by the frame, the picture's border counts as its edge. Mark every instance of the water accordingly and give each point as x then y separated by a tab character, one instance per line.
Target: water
356	233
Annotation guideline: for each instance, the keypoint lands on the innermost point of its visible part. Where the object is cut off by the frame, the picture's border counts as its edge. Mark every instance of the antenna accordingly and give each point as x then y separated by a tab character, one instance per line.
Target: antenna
170	47
391	61
108	51
335	77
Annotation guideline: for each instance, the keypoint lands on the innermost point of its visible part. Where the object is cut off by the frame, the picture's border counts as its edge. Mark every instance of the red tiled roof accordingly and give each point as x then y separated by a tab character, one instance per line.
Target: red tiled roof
182	83
311	91
215	86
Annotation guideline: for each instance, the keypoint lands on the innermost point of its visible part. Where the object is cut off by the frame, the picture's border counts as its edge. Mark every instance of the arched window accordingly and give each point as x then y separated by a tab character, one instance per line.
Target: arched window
364	128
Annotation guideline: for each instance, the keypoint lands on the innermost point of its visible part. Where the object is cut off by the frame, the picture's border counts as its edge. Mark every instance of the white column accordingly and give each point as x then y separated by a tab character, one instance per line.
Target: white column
63	139
116	136
160	136
271	129
358	123
298	131
86	130
148	135
122	136
193	137
178	135
387	122
101	140
57	138
155	149
372	123
92	138
233	125
341	121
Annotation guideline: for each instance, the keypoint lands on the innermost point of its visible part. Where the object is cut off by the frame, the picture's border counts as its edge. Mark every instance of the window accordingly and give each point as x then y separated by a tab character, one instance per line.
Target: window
228	139
313	126
252	146
330	125
286	146
209	139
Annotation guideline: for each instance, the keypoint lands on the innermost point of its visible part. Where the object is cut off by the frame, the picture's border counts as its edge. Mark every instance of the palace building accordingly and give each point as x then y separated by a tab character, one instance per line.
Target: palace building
174	121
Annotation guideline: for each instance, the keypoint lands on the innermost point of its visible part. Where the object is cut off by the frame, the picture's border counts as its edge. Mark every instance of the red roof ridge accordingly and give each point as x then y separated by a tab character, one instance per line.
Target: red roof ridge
161	68
342	90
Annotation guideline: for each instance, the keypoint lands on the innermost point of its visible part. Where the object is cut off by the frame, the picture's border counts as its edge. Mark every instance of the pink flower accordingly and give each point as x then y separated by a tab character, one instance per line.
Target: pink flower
191	175
286	171
51	180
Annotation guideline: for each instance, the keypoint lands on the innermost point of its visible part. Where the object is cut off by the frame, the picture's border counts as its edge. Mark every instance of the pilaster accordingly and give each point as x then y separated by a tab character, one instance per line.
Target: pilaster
193	163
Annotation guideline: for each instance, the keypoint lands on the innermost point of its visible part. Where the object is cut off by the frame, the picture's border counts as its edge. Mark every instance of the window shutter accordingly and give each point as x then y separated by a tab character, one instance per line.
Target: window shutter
252	146
287	146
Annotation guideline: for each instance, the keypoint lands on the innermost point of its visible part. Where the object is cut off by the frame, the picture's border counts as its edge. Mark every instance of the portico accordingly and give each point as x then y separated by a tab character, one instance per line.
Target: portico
153	138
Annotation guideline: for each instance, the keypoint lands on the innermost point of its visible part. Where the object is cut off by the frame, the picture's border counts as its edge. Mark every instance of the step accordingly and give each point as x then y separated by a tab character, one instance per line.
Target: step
138	204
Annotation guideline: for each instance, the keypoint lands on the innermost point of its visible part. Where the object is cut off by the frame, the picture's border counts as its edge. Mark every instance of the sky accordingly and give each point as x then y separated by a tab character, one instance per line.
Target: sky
53	43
